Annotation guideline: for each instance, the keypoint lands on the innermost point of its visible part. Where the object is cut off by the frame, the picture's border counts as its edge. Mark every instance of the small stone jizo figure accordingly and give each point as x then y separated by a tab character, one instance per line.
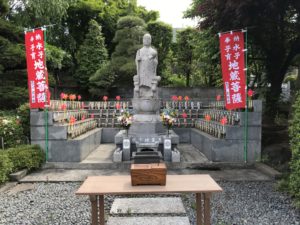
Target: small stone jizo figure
146	81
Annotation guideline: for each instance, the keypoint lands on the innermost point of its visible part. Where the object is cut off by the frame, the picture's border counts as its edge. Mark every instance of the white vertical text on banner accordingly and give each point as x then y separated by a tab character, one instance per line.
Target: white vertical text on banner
36	69
233	69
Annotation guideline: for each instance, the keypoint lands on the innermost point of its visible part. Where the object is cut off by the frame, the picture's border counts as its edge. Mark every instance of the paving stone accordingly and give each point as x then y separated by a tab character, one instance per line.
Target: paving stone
147	206
148	220
18	175
21	187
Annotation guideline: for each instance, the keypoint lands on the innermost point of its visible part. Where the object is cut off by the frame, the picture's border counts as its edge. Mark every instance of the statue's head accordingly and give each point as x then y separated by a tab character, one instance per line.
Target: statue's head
147	40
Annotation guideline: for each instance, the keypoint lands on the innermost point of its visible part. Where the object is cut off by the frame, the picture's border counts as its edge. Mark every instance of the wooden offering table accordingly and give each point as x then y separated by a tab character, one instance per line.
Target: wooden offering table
97	186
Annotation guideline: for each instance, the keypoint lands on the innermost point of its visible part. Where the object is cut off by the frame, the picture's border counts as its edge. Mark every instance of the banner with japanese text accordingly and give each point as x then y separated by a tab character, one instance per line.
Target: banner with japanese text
36	69
233	69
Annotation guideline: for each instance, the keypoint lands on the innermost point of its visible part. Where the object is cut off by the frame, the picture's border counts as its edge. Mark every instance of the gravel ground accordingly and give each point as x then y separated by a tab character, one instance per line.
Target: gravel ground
254	203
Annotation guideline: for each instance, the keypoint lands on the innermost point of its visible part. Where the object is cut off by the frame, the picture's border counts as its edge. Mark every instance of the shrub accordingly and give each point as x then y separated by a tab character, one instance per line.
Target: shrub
6	166
11	131
26	157
24	114
294	133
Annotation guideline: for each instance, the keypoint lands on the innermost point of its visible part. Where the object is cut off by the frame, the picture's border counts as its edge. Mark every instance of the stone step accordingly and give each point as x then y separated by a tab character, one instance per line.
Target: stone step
166	205
178	220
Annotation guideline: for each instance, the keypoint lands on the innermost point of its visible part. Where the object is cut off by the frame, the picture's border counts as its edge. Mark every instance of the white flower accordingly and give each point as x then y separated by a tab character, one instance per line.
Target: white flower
5	122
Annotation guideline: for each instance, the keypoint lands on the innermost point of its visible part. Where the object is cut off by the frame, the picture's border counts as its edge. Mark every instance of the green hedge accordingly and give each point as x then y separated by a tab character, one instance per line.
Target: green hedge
6	166
29	157
24	116
294	133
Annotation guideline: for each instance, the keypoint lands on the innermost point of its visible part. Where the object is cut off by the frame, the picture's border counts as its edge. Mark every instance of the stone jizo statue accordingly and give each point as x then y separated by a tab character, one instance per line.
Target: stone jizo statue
146	81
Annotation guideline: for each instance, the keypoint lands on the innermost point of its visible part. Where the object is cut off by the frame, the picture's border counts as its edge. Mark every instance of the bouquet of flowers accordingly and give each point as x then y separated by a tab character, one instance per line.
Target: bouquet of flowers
168	118
125	120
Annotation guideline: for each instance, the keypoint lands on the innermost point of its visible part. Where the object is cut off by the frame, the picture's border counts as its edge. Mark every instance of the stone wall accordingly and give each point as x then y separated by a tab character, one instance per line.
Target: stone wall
166	92
60	148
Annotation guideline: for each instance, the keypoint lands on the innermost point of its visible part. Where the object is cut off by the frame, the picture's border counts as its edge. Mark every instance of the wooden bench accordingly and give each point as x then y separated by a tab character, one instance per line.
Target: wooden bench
98	186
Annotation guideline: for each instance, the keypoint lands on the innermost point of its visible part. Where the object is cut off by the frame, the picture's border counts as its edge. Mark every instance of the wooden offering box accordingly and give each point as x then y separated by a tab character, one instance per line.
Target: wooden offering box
153	173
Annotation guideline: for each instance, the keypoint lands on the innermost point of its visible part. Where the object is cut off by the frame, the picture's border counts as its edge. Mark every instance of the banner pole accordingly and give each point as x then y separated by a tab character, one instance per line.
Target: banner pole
246	93
46	97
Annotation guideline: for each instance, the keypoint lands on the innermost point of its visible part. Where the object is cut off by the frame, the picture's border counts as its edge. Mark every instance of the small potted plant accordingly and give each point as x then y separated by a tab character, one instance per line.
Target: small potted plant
125	120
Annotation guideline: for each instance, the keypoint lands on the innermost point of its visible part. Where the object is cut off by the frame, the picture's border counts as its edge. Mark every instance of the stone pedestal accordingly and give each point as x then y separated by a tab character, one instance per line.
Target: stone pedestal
163	143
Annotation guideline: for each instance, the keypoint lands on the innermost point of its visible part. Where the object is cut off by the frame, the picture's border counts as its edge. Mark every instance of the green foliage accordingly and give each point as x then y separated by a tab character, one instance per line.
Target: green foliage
13	76
102	80
29	157
128	39
4	7
161	39
206	62
174	80
184	52
11	131
24	117
294	133
34	13
6	166
55	57
80	13
91	55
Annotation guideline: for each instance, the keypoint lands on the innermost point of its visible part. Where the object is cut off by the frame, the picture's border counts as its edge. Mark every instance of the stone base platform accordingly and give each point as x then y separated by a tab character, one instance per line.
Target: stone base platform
127	144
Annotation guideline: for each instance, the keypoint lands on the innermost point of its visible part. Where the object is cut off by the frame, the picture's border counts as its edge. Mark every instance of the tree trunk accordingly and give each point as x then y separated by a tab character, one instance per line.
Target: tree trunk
188	76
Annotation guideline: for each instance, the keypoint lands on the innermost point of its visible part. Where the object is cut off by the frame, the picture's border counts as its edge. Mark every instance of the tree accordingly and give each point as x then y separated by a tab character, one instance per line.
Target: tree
273	28
206	63
35	13
102	80
13	77
91	55
161	39
185	48
128	39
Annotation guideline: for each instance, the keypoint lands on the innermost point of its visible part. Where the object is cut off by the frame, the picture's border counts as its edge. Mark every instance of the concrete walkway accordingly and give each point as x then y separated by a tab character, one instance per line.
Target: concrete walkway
63	175
99	162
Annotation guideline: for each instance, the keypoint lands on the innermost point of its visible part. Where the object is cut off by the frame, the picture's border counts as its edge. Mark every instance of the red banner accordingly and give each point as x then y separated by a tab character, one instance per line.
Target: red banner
233	69
36	69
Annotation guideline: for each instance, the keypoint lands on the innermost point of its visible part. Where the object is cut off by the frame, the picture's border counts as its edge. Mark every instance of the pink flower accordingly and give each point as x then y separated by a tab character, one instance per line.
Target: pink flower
79	97
72	120
63	107
219	97
207	117
118	106
62	95
174	98
184	115
250	93
65	96
118	98
186	98
72	97
105	98
224	120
